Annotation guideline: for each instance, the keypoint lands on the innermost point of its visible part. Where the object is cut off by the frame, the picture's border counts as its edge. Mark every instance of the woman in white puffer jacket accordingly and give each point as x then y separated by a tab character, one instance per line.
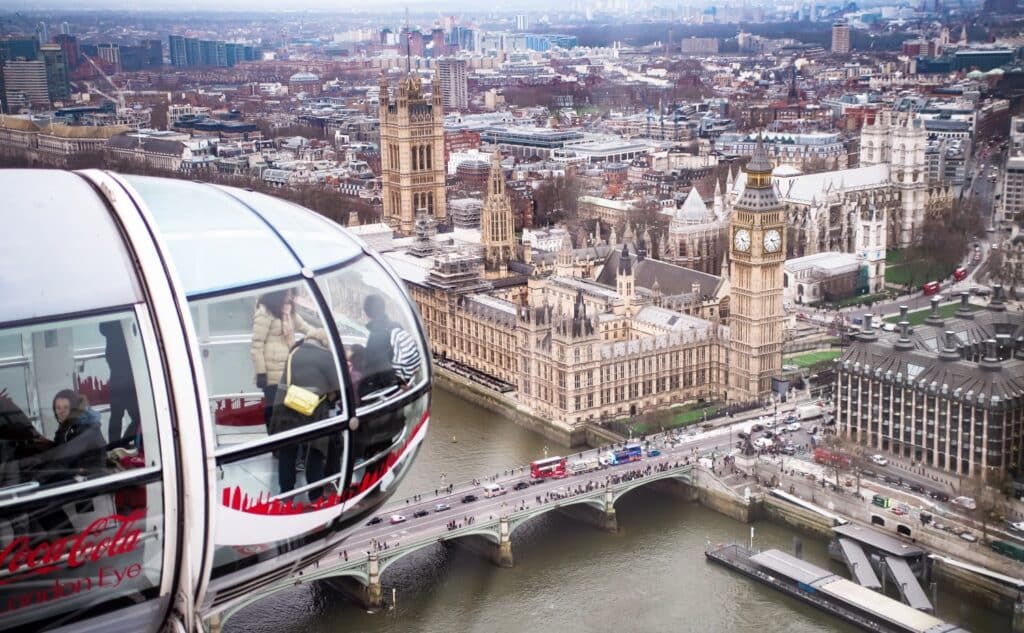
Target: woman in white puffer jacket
273	333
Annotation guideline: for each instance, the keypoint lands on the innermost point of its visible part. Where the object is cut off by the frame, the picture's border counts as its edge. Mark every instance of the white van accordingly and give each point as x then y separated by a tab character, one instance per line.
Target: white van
494	490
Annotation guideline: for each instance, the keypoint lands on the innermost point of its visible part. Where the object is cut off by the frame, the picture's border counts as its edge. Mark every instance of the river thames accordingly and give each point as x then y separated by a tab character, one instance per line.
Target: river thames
650	576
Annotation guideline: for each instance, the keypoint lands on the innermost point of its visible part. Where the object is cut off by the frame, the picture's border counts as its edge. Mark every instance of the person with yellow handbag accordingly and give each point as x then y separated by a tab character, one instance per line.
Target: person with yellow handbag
309	388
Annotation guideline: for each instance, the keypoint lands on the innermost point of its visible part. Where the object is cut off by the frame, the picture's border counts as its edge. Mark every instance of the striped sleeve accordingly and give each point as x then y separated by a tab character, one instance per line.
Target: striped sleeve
406	354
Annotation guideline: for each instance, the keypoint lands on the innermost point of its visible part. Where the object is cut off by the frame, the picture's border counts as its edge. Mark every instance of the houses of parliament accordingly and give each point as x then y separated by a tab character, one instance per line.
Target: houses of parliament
595	332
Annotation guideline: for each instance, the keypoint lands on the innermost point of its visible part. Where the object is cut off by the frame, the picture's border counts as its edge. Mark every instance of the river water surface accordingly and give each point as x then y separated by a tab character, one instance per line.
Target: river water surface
568	576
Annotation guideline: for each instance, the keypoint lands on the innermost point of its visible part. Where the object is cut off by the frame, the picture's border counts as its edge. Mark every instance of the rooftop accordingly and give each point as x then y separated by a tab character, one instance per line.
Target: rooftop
878	540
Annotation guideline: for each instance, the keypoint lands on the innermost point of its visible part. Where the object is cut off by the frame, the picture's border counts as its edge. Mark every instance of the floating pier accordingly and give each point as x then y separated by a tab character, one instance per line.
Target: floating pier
862	607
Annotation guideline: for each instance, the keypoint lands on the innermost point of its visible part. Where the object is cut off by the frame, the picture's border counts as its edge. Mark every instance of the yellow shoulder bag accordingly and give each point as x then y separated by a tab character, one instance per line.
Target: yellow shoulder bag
299	399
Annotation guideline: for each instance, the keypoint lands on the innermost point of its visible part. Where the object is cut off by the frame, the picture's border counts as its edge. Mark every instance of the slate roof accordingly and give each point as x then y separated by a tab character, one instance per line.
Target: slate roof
672	279
922	361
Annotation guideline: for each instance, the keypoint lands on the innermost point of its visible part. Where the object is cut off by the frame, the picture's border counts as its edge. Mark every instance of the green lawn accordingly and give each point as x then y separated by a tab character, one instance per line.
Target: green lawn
915	272
673	418
811	358
893	256
918	316
861	299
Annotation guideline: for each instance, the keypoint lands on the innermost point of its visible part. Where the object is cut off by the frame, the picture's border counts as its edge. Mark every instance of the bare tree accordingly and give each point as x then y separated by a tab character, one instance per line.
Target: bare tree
837	459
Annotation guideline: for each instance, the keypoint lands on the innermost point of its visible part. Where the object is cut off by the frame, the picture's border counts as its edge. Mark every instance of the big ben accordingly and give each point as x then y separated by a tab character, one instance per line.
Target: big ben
757	253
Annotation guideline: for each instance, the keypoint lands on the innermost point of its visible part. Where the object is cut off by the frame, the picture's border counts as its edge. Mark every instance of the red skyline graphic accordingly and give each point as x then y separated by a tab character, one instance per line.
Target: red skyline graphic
96	390
248	413
237	499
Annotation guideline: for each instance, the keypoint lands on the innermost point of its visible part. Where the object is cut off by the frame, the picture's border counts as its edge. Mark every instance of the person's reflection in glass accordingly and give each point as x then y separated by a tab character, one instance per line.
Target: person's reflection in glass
78	445
122	385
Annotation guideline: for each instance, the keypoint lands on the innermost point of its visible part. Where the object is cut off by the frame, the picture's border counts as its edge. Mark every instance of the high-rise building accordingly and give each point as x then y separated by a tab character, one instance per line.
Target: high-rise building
110	53
69	44
18	48
454	85
497	233
65	28
522	22
1013	189
176	50
132	58
56	72
462	38
43	33
193	52
412	152
757	255
152	53
235	53
213	53
25	84
437	46
841	37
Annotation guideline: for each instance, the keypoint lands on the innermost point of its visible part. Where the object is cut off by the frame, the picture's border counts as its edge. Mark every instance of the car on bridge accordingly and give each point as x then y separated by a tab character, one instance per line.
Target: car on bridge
469	499
374	521
441	507
419	513
397	518
520	485
965	502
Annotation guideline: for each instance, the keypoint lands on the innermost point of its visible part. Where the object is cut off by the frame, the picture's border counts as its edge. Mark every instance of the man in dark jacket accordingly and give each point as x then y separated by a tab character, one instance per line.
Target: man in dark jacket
392	356
311	367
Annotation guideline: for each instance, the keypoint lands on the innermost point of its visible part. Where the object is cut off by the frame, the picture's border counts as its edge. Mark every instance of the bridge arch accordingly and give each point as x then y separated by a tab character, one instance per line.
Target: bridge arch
514	524
630	486
358	573
387	562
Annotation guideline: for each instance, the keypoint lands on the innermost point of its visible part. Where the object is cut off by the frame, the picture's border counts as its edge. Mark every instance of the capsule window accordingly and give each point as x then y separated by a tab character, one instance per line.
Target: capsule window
75	402
81	502
276	501
248	342
375	320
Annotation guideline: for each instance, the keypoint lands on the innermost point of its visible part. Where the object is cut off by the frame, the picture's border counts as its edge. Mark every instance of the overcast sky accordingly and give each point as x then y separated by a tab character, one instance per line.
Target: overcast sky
339	6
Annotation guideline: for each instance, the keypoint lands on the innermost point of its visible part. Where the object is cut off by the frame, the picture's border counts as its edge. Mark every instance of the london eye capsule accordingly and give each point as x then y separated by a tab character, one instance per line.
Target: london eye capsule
202	390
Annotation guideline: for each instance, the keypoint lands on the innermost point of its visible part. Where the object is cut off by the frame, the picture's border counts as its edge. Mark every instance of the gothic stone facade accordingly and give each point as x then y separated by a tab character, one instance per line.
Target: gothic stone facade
412	153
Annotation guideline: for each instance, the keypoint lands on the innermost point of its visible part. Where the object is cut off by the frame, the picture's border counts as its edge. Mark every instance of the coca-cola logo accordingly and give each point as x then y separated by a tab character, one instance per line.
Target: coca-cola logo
23	557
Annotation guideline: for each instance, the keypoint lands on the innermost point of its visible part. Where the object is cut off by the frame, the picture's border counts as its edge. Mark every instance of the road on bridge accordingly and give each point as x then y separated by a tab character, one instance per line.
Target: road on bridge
675	446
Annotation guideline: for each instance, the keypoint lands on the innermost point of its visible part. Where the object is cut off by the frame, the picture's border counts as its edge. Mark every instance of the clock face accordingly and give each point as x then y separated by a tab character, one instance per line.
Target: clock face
772	241
742	240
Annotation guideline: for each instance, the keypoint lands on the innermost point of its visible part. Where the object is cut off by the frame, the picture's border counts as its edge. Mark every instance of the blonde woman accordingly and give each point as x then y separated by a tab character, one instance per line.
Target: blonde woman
273	333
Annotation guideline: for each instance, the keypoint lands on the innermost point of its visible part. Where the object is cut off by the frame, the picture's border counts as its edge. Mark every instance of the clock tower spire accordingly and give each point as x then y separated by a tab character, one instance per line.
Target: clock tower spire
757	254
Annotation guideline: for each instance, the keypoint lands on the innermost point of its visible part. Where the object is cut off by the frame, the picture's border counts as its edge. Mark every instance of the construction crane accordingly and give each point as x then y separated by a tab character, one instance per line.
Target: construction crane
120	96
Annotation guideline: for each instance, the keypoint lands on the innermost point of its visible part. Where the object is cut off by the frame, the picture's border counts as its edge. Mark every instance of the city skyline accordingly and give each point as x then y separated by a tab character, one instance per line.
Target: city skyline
367	286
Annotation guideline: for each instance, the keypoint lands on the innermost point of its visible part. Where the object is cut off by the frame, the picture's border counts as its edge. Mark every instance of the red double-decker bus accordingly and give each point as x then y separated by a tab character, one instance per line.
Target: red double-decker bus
550	468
